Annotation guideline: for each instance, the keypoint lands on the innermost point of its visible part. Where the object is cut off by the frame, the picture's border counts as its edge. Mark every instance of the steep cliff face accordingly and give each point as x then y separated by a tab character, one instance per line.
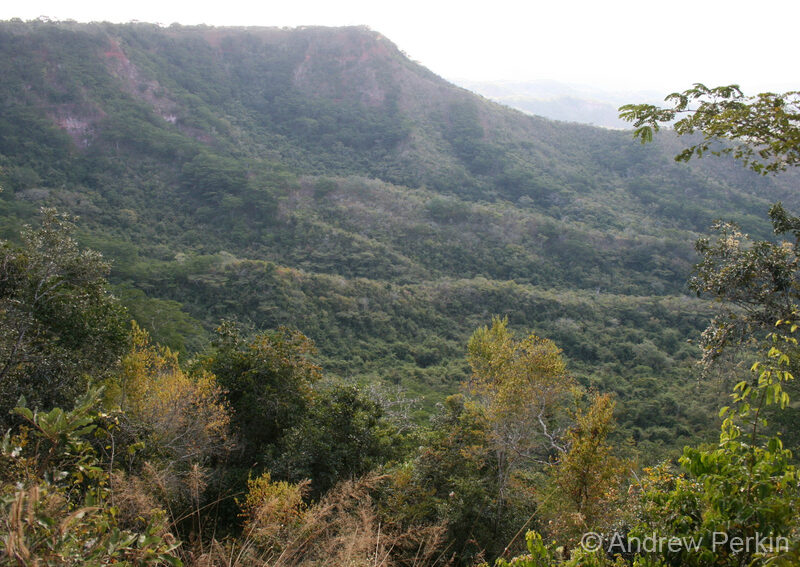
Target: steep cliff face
344	94
337	101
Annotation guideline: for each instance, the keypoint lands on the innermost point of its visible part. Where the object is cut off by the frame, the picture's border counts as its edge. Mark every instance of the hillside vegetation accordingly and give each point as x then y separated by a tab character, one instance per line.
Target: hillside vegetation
317	178
283	297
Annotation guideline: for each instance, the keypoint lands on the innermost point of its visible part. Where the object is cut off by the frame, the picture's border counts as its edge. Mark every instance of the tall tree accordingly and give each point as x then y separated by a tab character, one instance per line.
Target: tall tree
756	282
268	380
59	324
586	476
523	387
343	435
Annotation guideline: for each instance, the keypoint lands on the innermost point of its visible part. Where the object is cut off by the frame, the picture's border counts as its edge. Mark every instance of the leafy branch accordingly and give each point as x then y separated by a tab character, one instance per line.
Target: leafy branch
764	129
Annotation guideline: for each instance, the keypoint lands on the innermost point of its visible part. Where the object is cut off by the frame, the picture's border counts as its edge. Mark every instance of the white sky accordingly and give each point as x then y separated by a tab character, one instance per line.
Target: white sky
612	44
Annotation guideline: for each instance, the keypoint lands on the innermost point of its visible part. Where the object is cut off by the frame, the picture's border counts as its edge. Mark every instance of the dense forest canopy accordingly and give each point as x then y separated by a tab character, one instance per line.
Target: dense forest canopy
317	178
377	318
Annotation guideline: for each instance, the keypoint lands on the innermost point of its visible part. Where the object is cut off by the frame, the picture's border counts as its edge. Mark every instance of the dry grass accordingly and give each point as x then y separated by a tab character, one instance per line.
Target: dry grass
343	529
136	506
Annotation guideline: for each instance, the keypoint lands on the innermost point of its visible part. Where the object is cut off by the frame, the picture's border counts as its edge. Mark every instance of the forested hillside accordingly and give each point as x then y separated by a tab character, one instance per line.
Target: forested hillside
283	297
319	179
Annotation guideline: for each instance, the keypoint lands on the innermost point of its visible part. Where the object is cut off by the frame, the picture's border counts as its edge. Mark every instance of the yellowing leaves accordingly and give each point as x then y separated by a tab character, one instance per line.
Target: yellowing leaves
182	414
273	511
516	377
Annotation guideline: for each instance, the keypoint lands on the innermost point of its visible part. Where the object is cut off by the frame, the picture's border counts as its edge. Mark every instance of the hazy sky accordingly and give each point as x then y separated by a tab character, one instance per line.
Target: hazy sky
613	44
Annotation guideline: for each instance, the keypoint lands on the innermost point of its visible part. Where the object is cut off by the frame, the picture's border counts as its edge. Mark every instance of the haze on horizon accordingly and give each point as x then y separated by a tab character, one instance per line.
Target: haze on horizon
617	45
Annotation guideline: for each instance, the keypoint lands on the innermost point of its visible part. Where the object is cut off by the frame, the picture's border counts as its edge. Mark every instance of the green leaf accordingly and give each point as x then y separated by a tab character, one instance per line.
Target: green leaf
24	412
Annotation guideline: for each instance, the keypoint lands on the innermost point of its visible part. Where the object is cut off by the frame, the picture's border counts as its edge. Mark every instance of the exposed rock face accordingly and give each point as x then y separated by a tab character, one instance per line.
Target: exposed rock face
137	85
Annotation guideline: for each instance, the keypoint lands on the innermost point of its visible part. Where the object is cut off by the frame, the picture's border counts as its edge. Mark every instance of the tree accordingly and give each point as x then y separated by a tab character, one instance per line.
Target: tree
59	323
343	435
764	129
454	481
522	386
180	417
268	380
745	487
756	282
584	481
735	505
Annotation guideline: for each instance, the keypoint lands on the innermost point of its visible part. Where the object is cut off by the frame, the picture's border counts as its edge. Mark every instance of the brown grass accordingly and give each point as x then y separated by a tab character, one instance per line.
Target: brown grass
343	529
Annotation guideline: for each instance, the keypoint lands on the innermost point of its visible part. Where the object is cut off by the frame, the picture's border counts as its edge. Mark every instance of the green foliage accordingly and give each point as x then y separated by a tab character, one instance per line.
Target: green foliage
60	322
342	436
543	555
522	387
736	504
584	483
267	380
211	176
745	487
756	280
765	128
507	374
164	319
757	283
56	504
454	481
318	179
478	469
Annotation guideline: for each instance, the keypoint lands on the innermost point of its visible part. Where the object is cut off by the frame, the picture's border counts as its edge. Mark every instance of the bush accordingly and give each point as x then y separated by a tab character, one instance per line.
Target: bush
56	501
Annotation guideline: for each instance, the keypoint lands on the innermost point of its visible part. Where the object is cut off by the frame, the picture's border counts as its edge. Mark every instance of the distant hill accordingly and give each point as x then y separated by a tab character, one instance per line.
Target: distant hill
316	177
562	101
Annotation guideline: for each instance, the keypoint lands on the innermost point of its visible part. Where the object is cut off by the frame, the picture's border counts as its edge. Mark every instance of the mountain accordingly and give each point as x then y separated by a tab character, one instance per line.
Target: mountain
562	101
317	178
